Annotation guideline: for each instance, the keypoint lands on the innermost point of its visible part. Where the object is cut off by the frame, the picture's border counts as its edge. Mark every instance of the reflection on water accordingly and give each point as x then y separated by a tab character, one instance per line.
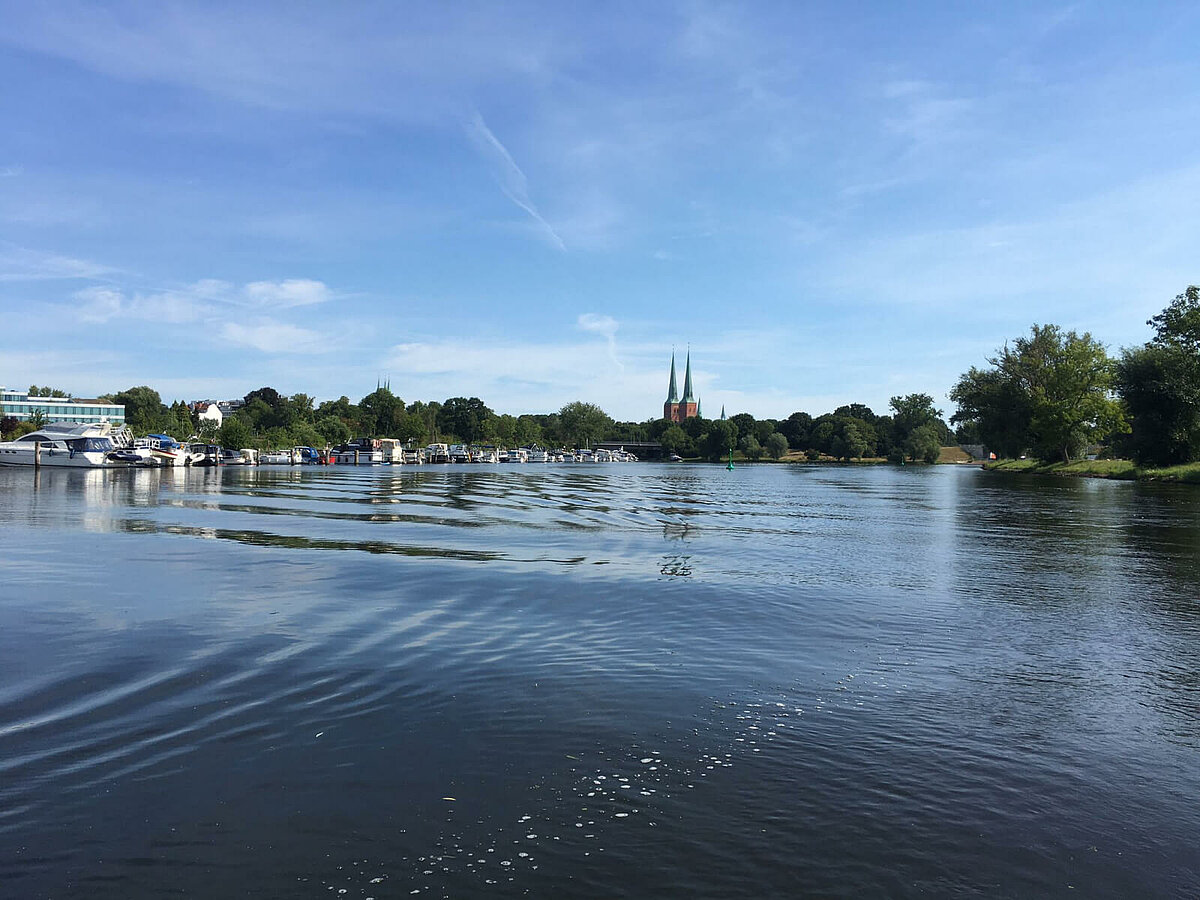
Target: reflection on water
596	681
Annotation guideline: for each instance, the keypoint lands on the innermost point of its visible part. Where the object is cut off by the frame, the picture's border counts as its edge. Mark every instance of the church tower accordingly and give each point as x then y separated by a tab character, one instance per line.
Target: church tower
677	408
672	394
688	407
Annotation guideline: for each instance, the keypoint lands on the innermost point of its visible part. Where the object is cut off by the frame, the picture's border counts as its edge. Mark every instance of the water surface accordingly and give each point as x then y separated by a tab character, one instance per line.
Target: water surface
597	681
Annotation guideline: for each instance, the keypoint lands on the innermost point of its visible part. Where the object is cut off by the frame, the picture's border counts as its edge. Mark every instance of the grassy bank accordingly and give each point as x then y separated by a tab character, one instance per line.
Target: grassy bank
1099	468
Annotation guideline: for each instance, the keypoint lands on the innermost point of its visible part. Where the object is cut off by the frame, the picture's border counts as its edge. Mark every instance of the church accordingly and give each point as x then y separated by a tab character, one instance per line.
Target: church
677	408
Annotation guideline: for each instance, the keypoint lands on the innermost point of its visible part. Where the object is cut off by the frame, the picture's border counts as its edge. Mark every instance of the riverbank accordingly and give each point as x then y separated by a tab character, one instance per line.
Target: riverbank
1122	469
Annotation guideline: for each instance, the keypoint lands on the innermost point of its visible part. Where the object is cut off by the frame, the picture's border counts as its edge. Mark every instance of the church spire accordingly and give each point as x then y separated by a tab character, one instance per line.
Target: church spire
687	379
673	391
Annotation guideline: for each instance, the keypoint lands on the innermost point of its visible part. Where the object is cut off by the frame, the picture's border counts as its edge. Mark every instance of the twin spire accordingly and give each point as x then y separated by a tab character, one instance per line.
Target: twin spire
672	390
679	408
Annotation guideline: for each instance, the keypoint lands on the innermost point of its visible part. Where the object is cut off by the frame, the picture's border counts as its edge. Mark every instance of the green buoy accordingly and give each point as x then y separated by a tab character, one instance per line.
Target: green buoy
730	466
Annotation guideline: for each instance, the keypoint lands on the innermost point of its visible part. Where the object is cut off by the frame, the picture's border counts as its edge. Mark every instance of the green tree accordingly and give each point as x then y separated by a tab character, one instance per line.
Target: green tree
996	408
675	440
380	412
333	430
583	423
796	429
744	423
719	439
1050	391
849	441
234	433
1160	386
750	447
464	417
412	429
341	407
37	418
144	409
923	443
776	445
527	431
8	425
915	426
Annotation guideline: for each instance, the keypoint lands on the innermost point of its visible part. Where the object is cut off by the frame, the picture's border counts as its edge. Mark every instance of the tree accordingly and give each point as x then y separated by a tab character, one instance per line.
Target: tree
1049	392
144	409
849	442
583	423
464	417
720	438
268	395
796	428
776	445
750	447
380	412
1160	386
915	426
923	443
995	408
743	422
1179	324
527	431
1068	378
333	430
856	411
675	440
234	433
37	418
8	424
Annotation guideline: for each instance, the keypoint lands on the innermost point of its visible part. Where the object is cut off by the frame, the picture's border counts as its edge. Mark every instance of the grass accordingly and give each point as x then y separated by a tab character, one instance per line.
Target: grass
1100	468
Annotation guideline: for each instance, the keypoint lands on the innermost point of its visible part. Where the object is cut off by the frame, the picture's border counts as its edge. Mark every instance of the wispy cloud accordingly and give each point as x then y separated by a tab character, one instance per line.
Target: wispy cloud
606	326
922	113
23	264
508	174
269	336
202	299
287	294
11	171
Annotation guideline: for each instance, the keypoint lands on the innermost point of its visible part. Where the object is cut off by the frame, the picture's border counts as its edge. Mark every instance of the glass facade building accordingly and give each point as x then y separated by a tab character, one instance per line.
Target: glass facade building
59	409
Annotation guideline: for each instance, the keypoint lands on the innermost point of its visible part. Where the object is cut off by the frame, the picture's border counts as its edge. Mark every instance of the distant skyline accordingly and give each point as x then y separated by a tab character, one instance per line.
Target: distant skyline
535	203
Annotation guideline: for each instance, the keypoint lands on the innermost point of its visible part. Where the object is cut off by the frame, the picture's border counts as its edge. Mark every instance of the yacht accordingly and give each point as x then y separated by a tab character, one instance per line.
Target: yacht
359	452
164	450
84	446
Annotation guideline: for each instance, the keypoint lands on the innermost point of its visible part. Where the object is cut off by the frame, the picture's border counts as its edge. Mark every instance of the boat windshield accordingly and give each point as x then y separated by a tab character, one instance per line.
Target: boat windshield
91	445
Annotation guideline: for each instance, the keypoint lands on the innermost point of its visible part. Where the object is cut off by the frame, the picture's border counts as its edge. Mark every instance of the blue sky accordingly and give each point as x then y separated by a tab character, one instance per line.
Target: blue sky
533	203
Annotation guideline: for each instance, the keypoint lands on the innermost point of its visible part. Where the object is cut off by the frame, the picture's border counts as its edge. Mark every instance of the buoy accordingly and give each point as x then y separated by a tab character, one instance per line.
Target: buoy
730	466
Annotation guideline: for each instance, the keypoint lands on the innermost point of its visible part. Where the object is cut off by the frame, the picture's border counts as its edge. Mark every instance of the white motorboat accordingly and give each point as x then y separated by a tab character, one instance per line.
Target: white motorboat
538	454
162	450
68	444
359	452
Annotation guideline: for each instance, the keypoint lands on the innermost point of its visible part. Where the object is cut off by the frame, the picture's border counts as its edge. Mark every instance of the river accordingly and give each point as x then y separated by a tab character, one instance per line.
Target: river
596	681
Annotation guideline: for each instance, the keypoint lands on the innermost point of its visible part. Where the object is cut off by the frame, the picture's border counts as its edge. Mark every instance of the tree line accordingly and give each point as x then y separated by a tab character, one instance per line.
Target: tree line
1053	394
270	419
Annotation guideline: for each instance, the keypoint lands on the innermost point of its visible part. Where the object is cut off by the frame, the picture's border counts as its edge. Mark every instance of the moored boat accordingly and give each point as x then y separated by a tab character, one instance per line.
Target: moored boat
85	446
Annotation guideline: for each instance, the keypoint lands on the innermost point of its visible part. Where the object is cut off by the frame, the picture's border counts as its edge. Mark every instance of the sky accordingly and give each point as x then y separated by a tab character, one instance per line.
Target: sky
537	203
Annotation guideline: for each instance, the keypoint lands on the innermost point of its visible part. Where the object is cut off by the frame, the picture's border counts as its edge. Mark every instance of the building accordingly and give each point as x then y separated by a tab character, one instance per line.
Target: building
21	406
677	408
207	411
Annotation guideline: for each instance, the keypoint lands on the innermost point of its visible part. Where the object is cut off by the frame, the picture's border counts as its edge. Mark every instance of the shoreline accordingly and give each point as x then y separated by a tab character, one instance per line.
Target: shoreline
1115	469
